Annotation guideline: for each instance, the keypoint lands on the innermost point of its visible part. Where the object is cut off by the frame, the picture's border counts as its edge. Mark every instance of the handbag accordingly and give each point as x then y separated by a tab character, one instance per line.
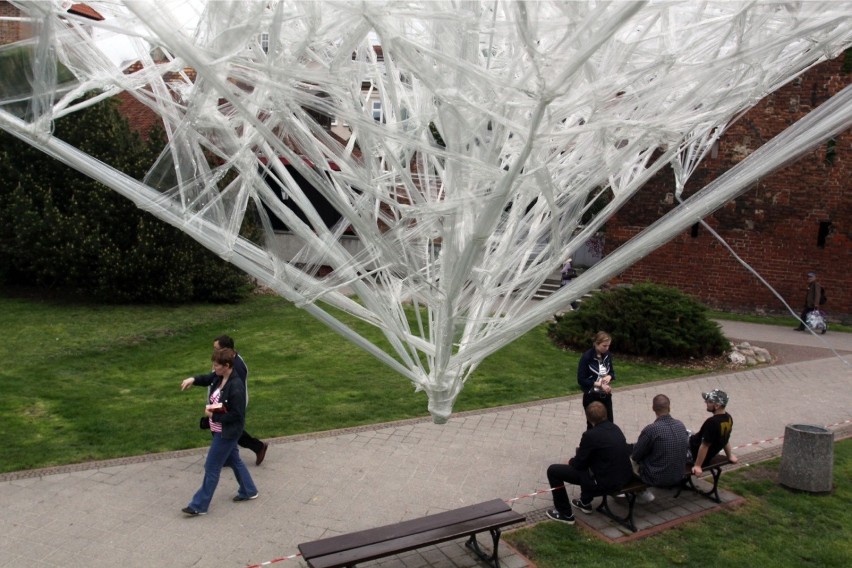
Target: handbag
204	423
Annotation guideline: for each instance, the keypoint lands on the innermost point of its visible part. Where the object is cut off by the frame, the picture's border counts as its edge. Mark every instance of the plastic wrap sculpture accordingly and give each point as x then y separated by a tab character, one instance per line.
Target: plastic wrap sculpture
424	166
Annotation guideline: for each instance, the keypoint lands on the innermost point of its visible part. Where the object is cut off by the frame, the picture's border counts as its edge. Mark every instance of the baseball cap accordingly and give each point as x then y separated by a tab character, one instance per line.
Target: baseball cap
716	396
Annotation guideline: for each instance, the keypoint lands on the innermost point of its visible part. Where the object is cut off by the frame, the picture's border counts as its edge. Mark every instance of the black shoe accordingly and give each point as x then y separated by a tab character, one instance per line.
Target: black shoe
239	498
192	512
562	518
582	506
798	329
261	454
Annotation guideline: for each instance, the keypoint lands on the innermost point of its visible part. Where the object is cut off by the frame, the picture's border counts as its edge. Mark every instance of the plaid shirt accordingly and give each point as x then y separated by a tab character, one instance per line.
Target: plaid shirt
661	451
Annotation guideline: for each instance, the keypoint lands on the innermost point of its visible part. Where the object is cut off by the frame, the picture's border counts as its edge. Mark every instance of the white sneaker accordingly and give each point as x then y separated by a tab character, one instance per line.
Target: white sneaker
645	497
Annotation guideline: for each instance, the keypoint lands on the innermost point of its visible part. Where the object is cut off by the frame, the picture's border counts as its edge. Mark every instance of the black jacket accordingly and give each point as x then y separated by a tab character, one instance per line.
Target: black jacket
234	398
588	369
603	450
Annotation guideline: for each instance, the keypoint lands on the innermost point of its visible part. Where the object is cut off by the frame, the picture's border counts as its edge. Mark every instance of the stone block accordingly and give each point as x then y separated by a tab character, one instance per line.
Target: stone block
807	458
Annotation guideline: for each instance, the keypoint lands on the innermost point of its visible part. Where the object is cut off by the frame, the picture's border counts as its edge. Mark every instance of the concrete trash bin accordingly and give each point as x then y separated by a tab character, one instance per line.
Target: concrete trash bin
807	458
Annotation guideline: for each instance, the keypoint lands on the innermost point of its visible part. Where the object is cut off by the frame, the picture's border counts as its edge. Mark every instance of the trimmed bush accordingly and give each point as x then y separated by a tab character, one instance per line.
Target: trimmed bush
644	320
60	230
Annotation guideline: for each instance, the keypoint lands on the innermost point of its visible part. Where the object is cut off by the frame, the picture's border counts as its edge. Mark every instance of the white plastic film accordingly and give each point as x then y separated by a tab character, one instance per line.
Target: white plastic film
456	144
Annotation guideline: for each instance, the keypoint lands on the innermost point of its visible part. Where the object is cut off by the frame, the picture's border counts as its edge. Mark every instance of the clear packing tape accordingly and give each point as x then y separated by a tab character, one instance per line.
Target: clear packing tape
475	137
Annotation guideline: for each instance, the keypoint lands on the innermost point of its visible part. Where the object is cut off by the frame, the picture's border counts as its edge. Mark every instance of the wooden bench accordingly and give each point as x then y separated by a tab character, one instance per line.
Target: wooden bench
636	486
351	548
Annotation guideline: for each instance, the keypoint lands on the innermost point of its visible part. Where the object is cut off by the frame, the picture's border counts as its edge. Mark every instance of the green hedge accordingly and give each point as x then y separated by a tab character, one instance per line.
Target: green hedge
644	319
60	230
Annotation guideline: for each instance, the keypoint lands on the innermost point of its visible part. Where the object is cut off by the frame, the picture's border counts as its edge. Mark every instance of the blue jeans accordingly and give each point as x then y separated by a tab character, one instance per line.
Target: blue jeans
222	453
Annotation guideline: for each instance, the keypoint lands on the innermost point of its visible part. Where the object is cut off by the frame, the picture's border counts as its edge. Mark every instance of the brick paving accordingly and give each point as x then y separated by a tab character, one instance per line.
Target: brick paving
127	512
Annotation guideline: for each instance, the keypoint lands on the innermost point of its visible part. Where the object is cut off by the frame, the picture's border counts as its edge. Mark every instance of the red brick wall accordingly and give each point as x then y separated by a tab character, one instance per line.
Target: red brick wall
141	118
11	31
774	227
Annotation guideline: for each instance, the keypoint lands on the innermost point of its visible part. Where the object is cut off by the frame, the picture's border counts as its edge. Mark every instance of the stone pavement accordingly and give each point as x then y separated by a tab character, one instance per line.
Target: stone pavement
127	512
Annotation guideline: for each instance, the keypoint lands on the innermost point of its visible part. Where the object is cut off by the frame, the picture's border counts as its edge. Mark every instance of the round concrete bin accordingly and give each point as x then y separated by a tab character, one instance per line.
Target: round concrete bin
807	458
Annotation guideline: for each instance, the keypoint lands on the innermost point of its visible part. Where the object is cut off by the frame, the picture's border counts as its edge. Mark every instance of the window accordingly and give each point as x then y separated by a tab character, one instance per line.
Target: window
264	42
831	152
377	111
824	229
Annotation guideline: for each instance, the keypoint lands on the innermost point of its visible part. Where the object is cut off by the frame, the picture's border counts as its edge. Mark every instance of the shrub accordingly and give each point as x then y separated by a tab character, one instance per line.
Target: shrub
61	230
645	320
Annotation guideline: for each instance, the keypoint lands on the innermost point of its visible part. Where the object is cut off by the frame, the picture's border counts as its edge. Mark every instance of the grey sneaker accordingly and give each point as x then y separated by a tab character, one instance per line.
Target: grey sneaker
586	508
645	497
557	516
239	498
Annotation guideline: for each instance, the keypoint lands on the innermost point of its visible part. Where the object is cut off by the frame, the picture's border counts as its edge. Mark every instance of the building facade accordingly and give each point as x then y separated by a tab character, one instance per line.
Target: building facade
796	220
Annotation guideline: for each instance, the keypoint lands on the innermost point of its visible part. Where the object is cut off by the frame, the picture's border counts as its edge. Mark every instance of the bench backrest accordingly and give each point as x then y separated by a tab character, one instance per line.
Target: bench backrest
471	518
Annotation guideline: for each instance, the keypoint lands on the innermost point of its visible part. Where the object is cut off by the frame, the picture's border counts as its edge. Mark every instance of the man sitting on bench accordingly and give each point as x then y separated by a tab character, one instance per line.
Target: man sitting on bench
715	433
601	465
660	453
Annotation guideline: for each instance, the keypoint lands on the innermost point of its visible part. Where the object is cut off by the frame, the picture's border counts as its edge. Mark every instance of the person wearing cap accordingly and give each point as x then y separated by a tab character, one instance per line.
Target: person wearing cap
811	300
715	433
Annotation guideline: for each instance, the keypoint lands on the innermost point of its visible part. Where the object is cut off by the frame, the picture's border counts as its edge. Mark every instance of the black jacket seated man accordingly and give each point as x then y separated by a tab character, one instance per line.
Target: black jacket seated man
601	465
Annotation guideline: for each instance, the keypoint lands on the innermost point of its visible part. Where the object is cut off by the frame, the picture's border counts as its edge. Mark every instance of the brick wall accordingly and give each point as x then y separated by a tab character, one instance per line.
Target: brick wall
798	219
11	31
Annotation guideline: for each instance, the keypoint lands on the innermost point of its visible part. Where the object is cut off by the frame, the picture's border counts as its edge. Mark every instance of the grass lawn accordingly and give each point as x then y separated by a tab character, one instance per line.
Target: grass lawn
85	382
775	527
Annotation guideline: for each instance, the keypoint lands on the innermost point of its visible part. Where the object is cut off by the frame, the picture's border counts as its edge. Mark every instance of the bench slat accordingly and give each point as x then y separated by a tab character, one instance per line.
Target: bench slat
347	541
404	543
635	485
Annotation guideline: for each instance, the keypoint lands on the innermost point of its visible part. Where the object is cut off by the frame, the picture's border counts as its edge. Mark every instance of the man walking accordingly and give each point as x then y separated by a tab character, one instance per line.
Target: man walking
240	370
812	300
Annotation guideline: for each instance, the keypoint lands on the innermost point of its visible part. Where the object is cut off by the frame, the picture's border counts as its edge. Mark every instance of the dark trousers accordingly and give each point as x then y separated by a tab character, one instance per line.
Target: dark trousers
247	441
559	474
804	317
606	400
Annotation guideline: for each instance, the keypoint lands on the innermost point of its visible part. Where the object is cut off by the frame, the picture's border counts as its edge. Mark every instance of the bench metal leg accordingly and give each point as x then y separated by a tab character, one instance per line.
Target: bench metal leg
626	521
712	494
473	544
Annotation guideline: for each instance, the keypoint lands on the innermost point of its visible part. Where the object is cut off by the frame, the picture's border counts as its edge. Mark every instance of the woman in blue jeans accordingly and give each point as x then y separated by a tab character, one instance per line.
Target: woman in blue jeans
226	412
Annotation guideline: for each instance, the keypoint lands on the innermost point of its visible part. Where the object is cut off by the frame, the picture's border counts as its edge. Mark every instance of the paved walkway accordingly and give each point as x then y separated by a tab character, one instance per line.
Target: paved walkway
127	512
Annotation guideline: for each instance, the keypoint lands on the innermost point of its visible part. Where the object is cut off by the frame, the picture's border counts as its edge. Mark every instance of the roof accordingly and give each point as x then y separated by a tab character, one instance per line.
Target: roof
85	11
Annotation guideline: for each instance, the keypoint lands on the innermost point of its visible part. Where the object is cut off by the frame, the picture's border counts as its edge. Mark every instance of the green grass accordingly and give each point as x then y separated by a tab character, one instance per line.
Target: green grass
775	527
85	382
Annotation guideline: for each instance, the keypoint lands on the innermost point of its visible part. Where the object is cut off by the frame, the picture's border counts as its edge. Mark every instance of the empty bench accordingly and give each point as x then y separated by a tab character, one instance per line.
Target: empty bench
361	546
636	486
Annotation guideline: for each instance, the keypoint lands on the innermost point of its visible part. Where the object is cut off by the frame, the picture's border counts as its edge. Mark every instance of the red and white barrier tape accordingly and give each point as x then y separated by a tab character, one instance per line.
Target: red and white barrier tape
549	489
782	437
539	492
283	558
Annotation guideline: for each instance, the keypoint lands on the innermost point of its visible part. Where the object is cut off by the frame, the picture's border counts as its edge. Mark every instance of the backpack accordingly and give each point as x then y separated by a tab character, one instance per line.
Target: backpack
822	298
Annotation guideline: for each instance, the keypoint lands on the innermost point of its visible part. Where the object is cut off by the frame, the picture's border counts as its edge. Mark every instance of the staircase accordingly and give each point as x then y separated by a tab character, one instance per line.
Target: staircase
551	285
547	288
